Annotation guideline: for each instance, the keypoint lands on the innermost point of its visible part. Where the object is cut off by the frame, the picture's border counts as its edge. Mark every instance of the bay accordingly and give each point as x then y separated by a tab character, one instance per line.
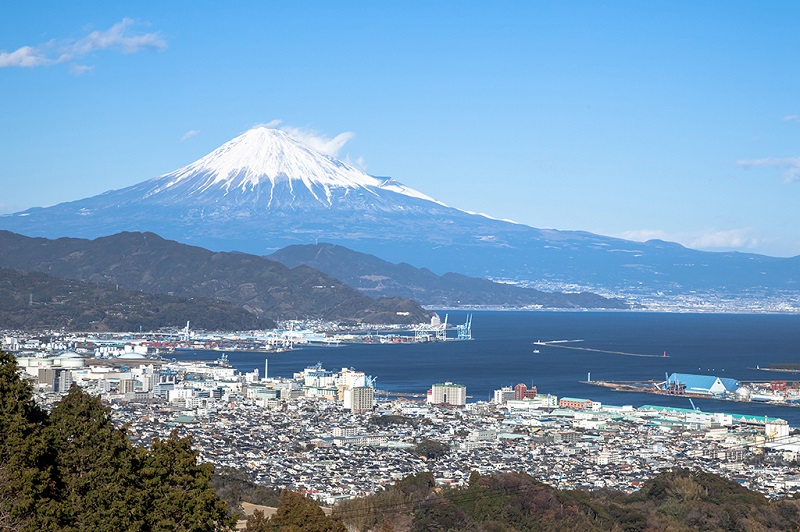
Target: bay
502	354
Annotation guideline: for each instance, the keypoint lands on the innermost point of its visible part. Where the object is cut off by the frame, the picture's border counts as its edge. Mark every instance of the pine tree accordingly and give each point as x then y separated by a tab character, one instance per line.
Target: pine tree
297	513
74	471
178	489
96	467
258	522
25	457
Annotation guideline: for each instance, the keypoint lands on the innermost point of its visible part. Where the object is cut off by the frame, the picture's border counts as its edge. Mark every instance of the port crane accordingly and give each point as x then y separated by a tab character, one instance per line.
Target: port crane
465	331
436	331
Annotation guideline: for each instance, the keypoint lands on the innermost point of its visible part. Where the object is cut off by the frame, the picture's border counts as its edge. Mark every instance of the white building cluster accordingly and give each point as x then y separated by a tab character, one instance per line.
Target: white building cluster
192	384
354	388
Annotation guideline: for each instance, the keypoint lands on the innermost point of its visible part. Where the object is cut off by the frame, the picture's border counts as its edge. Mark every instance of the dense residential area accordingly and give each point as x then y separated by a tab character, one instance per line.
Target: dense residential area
330	436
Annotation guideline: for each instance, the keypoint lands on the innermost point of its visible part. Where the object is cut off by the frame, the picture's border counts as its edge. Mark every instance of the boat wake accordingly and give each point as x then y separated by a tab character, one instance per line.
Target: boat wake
560	344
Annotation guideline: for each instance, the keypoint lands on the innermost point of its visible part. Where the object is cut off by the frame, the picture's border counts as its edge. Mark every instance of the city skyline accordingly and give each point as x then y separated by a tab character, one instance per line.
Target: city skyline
674	121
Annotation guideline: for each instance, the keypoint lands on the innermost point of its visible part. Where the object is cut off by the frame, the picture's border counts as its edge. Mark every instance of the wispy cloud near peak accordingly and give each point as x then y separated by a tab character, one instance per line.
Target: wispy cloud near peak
321	143
189	134
314	139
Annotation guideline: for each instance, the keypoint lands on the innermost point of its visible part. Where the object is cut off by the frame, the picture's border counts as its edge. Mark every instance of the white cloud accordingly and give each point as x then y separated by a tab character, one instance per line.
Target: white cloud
26	57
189	134
119	37
732	238
79	70
643	235
789	165
272	124
743	238
314	139
358	162
321	143
791	118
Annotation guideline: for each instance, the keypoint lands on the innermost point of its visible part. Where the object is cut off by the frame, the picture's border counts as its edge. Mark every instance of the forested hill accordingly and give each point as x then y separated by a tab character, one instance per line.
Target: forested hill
35	301
677	500
148	263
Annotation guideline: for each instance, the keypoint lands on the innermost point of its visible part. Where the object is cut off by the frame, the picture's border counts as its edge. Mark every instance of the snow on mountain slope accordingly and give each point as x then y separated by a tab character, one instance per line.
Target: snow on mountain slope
265	160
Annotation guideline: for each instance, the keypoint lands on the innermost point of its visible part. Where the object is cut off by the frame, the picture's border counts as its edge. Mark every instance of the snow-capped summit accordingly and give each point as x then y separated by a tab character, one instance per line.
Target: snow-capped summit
270	163
269	155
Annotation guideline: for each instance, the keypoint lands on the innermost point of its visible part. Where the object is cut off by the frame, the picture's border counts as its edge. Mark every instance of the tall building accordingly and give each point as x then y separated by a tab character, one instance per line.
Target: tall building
127	385
349	377
522	392
359	398
503	394
448	393
58	379
64	380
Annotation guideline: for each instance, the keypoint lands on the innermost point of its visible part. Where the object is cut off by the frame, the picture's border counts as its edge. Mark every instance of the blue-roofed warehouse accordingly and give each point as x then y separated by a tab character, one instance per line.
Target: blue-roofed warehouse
680	383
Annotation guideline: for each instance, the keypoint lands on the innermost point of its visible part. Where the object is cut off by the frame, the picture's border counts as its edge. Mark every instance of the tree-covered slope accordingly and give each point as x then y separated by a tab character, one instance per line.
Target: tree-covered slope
33	300
146	262
678	500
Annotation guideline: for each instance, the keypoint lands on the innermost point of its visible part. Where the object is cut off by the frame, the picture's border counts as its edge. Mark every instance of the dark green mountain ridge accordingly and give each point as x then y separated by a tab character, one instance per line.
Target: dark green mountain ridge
36	301
148	263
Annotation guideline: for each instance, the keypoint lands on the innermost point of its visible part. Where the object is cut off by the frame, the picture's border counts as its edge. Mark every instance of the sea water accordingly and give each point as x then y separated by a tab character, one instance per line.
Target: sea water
502	353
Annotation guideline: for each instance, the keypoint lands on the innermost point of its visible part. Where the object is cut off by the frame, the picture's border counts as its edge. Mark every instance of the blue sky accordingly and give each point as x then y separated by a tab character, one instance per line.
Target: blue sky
673	120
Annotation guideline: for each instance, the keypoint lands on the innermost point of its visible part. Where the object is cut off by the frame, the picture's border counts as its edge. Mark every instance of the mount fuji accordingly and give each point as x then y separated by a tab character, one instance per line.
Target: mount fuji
256	193
265	190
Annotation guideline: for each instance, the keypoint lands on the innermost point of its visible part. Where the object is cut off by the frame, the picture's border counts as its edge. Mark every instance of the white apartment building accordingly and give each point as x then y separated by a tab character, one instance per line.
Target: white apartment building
448	393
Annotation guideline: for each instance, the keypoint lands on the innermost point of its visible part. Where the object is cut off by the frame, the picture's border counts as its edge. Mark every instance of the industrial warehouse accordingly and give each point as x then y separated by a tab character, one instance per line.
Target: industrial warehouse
776	392
685	383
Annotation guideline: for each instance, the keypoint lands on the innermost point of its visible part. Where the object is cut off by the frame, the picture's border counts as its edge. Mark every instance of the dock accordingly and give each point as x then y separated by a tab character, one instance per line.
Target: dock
652	387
